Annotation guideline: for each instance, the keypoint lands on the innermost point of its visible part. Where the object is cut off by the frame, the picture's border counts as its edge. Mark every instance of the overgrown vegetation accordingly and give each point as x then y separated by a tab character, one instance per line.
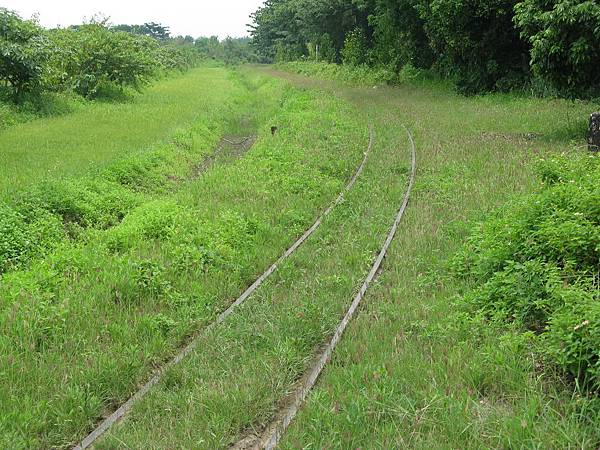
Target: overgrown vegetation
547	47
45	71
81	58
127	226
415	370
537	265
107	275
495	351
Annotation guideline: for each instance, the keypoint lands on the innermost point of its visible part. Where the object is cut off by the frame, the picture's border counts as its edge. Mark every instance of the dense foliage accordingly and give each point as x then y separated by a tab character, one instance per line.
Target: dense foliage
97	58
477	41
22	52
482	44
565	42
536	265
88	57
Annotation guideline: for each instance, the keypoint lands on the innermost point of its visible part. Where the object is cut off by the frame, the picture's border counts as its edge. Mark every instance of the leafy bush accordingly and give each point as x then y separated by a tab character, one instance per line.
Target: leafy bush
537	265
149	278
86	203
90	56
355	51
22	53
14	242
171	57
565	41
355	75
572	337
21	236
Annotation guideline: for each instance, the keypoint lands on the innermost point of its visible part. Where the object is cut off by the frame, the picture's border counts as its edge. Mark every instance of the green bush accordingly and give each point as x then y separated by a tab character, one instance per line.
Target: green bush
355	50
572	337
86	203
536	264
14	242
90	56
22	237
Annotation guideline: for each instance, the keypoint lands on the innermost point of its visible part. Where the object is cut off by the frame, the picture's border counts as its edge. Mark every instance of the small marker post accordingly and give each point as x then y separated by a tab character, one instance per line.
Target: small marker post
594	133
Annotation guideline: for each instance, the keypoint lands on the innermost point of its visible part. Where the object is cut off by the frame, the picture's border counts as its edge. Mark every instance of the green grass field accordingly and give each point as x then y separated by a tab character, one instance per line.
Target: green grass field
73	144
152	226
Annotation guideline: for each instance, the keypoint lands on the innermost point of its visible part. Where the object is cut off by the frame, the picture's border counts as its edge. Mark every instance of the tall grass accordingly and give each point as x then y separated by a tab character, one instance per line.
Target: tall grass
84	324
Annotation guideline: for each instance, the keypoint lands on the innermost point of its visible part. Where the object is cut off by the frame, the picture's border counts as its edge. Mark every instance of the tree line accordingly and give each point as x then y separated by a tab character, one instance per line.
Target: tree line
94	57
551	46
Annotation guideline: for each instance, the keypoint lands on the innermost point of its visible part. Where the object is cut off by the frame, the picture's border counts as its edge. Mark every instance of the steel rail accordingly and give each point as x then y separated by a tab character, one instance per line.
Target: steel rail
117	415
276	430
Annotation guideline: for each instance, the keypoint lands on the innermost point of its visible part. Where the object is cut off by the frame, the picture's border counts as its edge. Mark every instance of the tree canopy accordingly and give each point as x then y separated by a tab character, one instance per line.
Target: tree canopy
482	44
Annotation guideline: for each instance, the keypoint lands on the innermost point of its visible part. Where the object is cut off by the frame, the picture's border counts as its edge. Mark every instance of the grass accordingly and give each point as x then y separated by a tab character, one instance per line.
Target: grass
270	339
83	325
412	370
92	136
86	321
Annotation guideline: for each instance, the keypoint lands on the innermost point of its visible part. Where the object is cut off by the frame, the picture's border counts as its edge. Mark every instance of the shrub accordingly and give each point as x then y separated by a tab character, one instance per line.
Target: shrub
537	265
174	58
86	203
90	56
572	338
14	242
149	277
21	237
355	51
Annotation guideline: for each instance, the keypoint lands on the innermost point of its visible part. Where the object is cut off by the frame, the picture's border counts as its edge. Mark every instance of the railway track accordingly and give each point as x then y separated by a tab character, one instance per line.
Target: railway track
126	407
276	430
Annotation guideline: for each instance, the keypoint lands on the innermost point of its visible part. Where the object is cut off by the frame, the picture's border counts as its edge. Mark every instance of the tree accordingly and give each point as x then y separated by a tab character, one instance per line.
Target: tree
399	36
476	39
150	29
276	30
22	53
156	31
565	40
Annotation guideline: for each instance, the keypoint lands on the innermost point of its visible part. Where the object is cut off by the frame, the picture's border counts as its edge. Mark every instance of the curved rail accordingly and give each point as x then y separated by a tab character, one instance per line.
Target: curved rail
279	426
116	416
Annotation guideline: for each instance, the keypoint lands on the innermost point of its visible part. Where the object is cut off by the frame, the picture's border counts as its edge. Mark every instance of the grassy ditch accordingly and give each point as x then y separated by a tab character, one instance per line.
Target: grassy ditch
96	133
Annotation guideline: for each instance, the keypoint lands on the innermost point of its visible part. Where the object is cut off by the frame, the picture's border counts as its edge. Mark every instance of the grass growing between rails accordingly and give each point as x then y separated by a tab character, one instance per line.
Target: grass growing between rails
96	133
84	325
234	382
417	369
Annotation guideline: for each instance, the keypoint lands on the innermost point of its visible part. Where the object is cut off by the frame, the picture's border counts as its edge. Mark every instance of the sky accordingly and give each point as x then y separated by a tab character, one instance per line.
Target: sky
185	17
